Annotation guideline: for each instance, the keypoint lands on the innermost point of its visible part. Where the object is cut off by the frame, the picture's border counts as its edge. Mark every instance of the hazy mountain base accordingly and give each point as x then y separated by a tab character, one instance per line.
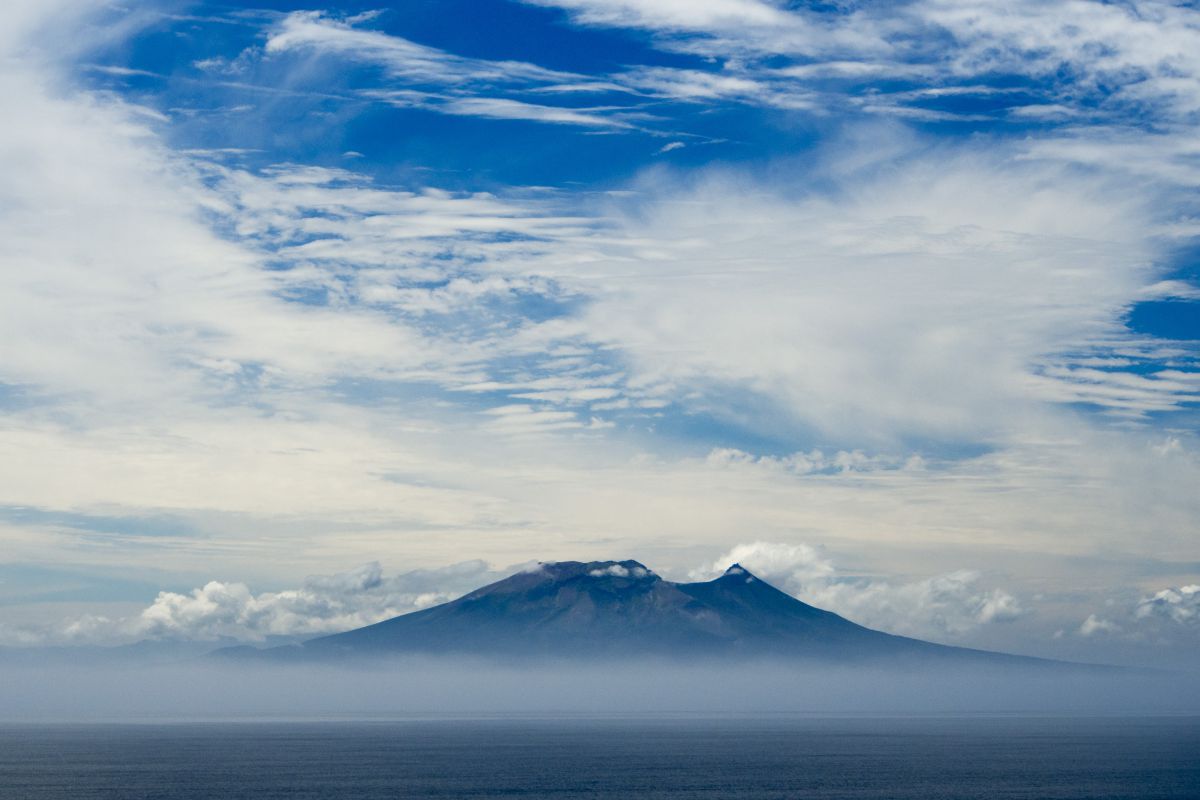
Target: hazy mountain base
618	610
413	685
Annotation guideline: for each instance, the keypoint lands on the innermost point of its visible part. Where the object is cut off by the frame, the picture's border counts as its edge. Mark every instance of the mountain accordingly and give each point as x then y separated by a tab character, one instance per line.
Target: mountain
622	609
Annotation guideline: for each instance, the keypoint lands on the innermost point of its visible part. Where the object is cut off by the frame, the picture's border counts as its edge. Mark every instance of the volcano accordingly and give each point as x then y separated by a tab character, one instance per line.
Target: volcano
622	609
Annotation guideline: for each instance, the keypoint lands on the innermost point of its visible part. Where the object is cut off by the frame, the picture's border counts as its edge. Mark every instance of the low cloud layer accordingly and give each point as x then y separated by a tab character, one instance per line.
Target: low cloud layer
1179	605
1162	617
961	606
943	606
221	610
324	604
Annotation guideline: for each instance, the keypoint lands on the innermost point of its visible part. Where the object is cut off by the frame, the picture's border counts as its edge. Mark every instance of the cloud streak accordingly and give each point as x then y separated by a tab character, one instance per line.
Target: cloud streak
1089	57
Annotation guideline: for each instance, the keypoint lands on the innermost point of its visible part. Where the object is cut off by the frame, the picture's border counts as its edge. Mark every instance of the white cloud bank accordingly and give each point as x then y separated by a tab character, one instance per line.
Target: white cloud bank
944	606
1167	616
1180	605
323	604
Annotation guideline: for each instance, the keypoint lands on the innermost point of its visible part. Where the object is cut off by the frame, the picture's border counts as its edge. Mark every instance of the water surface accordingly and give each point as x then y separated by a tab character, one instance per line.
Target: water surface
572	757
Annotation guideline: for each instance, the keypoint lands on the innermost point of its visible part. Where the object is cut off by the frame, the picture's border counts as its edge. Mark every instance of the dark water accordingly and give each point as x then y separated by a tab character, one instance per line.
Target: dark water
626	758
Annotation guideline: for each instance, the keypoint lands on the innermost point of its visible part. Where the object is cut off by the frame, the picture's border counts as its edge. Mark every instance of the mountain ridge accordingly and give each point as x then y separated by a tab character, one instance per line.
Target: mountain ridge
568	610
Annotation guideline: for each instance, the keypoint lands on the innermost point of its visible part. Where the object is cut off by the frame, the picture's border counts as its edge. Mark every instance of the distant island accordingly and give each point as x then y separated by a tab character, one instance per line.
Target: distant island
622	609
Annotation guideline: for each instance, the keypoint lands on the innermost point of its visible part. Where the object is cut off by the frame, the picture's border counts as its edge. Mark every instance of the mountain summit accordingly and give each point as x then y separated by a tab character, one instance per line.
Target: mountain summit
597	609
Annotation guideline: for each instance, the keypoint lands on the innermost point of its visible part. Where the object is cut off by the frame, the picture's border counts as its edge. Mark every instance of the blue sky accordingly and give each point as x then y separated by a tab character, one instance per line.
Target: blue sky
895	302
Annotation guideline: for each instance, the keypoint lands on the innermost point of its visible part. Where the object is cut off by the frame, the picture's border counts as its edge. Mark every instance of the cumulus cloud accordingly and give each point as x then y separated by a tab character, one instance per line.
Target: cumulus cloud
945	606
1180	605
1166	617
322	604
1095	625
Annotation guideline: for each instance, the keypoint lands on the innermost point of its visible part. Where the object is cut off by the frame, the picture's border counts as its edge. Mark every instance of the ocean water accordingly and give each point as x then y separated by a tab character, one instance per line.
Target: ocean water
572	757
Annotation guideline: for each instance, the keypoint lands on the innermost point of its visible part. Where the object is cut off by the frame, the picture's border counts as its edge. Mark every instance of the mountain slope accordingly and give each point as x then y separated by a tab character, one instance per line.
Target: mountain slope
599	609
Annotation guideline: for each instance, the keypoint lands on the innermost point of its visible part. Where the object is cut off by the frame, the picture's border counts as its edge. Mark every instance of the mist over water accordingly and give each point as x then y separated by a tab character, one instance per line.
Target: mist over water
418	686
424	727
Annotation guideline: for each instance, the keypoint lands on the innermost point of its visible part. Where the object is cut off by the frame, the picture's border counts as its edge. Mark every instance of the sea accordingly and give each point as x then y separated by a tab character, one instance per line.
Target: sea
677	756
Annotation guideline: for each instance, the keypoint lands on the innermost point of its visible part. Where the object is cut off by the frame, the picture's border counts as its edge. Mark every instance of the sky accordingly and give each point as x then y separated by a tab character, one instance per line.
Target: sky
311	315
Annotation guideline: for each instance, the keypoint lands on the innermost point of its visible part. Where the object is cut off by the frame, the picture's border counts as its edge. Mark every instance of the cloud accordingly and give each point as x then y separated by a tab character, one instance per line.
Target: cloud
318	33
697	86
698	16
1094	625
799	563
1075	61
732	28
123	72
269	380
945	606
520	418
1180	605
465	86
619	571
322	604
1167	617
1143	53
1007	273
504	108
1092	57
812	462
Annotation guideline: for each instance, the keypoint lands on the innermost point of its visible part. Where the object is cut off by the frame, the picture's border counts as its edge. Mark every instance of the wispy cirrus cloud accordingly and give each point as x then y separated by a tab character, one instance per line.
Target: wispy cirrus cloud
508	108
322	34
1090	57
733	28
443	82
